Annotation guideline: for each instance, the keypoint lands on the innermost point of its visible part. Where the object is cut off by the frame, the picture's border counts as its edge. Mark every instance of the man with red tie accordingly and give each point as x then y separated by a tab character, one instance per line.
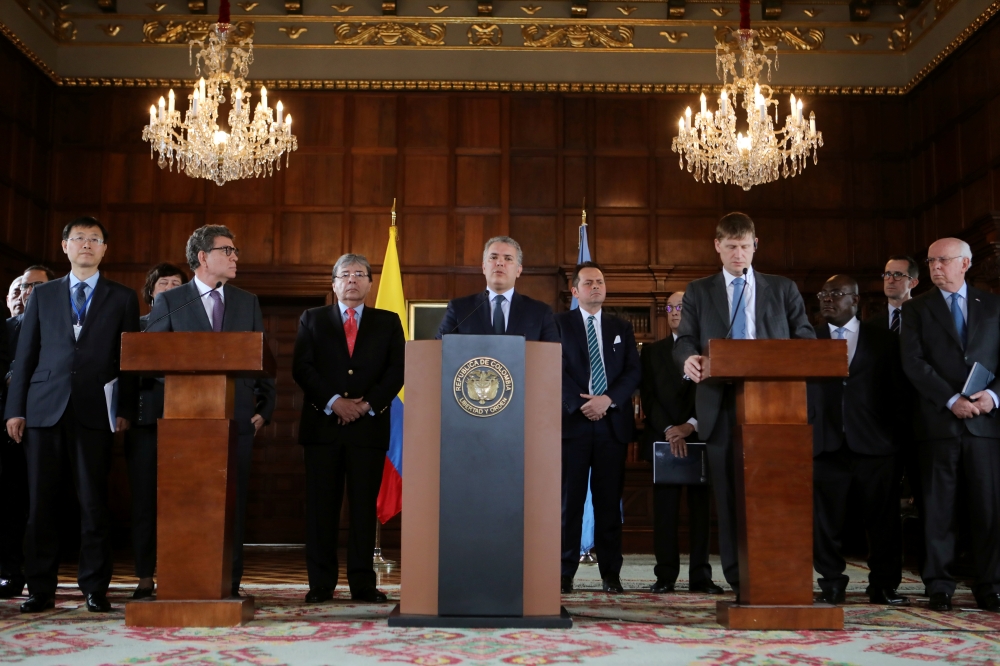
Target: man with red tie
349	363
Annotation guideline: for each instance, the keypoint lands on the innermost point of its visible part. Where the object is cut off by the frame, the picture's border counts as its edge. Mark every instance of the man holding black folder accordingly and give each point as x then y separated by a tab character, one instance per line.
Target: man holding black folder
945	332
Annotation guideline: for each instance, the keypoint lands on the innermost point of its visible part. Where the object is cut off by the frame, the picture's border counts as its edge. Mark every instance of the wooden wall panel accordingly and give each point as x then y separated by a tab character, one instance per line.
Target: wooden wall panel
621	240
425	240
374	121
472	232
426	180
315	179
537	236
310	238
477	182
425	120
479	122
534	121
533	182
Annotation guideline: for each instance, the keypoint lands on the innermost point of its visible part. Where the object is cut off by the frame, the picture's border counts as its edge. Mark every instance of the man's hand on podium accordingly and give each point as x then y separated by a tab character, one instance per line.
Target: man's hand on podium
596	406
692	368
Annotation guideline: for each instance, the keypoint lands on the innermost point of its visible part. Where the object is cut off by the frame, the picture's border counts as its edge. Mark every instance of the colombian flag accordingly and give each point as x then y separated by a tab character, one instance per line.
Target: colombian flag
390	297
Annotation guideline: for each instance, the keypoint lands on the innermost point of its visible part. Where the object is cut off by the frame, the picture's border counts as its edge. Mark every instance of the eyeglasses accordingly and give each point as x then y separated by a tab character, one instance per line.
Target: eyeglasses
674	308
356	275
895	275
944	261
228	249
80	240
823	295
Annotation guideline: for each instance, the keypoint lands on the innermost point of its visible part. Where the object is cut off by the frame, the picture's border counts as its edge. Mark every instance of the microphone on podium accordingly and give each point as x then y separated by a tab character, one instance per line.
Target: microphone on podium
218	285
737	308
470	313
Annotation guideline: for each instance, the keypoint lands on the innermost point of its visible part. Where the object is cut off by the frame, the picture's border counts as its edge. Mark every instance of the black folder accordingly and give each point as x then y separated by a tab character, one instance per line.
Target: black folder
979	378
689	471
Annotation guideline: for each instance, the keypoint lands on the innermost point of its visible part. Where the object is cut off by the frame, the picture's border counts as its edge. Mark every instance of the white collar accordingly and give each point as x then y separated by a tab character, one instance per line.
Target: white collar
963	291
586	315
204	288
729	278
509	294
90	282
357	309
853	325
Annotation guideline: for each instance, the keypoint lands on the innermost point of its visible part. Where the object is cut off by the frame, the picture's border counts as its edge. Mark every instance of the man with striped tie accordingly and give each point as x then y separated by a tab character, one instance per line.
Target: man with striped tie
601	371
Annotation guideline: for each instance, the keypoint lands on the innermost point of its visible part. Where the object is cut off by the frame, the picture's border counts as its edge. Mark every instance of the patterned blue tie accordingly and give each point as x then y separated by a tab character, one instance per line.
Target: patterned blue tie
598	379
80	302
956	314
839	332
739	316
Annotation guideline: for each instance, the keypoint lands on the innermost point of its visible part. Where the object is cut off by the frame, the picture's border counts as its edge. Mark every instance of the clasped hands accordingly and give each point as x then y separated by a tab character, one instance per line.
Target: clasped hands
677	436
595	408
967	408
350	409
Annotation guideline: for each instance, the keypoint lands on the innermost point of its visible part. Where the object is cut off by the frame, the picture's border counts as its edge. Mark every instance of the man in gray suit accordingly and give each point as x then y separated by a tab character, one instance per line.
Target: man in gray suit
212	256
742	304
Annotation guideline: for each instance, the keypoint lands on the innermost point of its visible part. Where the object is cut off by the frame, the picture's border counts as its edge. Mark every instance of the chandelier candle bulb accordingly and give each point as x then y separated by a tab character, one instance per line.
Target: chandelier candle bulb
238	99
680	123
288	124
170	104
812	122
800	114
278	108
263	97
162	104
152	114
704	104
194	102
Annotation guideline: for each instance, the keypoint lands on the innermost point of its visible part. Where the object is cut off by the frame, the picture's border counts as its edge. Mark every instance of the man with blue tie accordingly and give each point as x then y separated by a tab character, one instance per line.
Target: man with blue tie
68	352
944	332
601	371
737	303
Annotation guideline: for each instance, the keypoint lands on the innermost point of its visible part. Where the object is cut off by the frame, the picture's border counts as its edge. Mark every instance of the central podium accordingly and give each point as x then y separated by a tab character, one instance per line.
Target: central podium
482	498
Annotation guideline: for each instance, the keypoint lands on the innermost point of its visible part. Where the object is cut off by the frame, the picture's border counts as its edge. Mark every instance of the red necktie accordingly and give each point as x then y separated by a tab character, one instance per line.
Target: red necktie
351	330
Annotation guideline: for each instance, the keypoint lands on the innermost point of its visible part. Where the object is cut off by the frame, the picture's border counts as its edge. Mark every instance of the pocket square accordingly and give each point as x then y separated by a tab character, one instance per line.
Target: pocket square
618	339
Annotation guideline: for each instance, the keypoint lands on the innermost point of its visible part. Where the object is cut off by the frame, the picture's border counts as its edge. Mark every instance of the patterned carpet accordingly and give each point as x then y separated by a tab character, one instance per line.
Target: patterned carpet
636	628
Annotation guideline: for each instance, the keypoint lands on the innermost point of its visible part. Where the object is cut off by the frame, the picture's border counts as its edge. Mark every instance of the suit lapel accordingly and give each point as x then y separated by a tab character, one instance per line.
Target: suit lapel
578	329
720	298
939	309
201	320
337	327
607	339
228	317
484	314
515	310
975	312
363	326
763	288
100	295
66	309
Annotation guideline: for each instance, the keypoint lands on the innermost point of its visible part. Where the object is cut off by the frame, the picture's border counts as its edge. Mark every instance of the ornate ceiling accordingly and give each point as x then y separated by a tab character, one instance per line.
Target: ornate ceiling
826	46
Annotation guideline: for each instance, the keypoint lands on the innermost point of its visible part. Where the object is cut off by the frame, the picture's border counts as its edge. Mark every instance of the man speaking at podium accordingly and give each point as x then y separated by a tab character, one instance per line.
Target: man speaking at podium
742	304
212	256
500	310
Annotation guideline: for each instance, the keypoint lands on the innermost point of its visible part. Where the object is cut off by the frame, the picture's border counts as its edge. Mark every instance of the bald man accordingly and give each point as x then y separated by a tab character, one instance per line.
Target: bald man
944	332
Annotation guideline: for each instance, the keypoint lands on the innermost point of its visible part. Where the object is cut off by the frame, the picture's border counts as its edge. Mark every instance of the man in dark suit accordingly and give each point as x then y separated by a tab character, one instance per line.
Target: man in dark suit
742	304
944	332
212	256
854	448
601	370
349	363
500	309
67	356
14	297
668	403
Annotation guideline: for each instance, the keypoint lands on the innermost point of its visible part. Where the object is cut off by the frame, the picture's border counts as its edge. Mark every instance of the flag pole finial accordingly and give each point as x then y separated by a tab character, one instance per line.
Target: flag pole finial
394	211
583	212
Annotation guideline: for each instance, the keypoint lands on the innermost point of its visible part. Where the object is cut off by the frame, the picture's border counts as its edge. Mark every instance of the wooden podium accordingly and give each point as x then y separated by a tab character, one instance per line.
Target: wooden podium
196	472
773	458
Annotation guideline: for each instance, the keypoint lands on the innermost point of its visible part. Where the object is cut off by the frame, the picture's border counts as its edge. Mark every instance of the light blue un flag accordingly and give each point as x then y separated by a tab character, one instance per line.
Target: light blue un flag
587	536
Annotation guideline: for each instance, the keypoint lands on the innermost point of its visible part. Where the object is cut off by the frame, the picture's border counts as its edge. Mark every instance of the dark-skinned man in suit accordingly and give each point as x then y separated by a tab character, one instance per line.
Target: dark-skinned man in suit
944	332
668	403
212	255
349	361
740	303
854	422
500	309
67	353
601	371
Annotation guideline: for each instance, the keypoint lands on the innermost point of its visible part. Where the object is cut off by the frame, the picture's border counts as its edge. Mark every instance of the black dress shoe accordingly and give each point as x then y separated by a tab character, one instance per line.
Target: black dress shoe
235	592
940	601
661	587
371	595
989	602
887	597
832	596
10	589
318	595
566	584
612	584
707	588
97	602
36	603
142	593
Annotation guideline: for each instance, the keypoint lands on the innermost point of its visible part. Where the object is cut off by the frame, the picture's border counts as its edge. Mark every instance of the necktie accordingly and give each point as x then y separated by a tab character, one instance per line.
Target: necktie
739	316
894	324
598	380
956	314
218	311
839	332
80	302
499	325
351	330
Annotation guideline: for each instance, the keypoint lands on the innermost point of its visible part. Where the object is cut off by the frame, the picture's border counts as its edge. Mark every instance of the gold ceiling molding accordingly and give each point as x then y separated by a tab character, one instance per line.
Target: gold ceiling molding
390	34
28	53
578	36
963	36
484	34
800	39
181	32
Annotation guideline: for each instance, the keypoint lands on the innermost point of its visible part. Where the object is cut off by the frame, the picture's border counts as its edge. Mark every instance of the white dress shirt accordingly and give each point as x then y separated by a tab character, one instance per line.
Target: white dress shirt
693	421
963	304
749	299
851	329
207	300
91	283
358	309
600	342
509	294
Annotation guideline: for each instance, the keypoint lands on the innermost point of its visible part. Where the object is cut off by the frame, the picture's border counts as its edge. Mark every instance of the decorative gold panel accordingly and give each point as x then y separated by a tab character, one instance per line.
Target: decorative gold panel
390	34
181	32
798	38
485	34
577	36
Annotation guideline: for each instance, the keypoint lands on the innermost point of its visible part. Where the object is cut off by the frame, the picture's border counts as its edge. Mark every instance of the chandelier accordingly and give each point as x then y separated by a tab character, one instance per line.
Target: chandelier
716	151
201	148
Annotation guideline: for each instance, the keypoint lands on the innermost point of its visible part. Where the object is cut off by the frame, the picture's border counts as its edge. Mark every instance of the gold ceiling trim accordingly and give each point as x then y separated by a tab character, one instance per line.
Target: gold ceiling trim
28	53
963	36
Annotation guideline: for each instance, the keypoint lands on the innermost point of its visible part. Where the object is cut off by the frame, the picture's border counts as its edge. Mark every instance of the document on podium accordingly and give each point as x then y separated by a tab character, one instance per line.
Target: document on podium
111	398
692	470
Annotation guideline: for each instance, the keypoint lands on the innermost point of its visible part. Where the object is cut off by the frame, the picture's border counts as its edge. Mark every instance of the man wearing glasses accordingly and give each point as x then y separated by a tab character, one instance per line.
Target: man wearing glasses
944	332
854	448
349	362
212	255
67	352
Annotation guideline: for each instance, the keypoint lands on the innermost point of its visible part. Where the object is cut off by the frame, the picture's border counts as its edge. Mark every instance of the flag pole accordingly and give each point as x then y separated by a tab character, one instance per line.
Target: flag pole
380	563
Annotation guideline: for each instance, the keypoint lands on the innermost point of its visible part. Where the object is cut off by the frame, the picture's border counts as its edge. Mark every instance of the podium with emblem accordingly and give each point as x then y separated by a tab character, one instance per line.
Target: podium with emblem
482	500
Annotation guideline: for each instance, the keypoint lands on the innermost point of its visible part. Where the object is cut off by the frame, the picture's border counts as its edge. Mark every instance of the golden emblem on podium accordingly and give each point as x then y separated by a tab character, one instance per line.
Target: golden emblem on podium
483	386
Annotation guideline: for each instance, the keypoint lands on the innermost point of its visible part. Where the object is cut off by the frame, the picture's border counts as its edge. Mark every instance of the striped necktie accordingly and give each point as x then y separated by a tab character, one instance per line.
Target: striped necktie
894	325
598	380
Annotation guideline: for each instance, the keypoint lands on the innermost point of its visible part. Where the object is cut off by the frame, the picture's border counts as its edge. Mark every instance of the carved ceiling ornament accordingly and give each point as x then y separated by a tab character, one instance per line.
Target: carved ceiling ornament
801	39
674	36
900	38
578	36
181	32
343	8
485	34
110	30
293	32
530	10
65	31
390	34
858	39
627	10
157	6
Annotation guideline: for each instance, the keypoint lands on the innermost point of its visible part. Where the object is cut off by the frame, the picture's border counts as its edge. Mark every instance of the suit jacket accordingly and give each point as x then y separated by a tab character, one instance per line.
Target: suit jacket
242	314
667	398
904	426
150	391
621	367
6	355
323	368
528	317
866	408
934	361
56	372
779	314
